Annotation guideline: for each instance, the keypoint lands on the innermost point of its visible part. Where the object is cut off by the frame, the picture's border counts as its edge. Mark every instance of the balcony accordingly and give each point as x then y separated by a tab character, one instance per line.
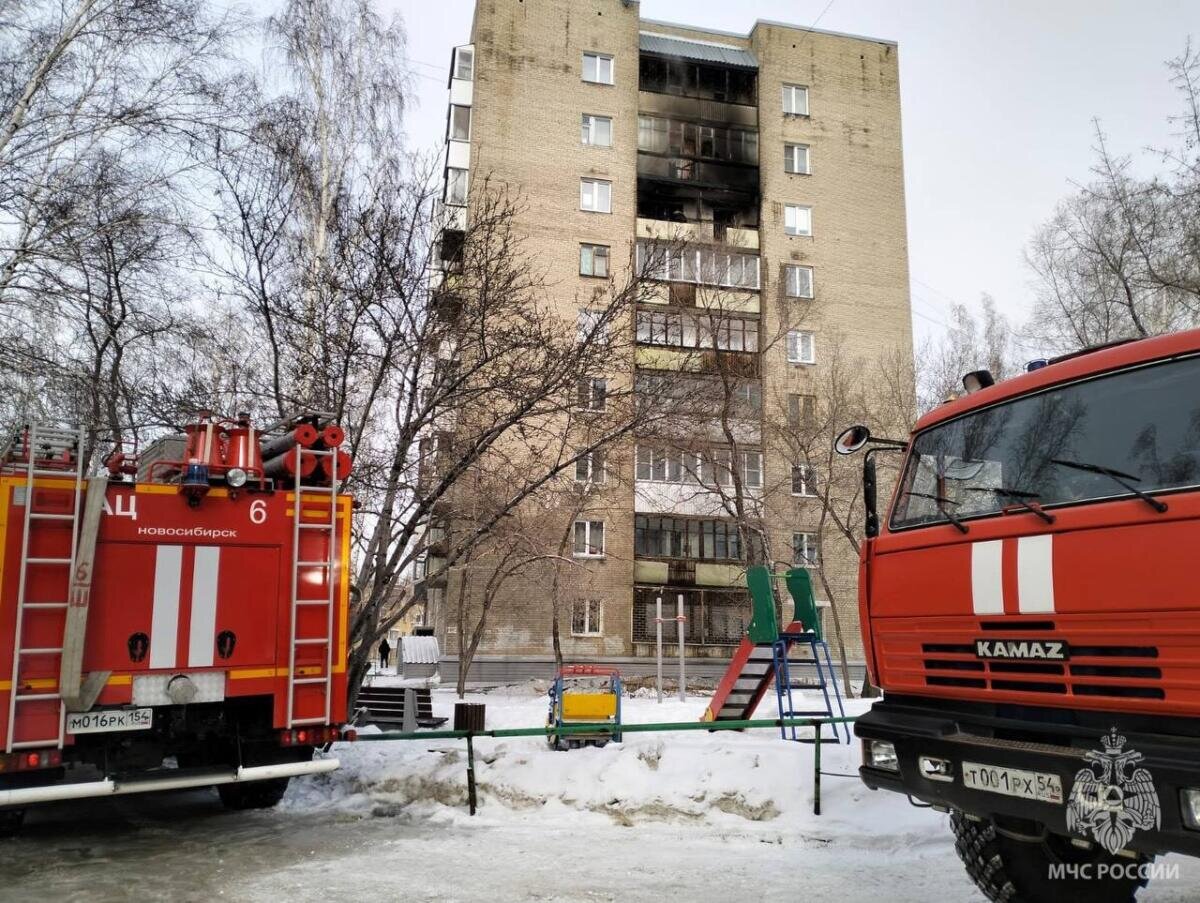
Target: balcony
697	233
726	181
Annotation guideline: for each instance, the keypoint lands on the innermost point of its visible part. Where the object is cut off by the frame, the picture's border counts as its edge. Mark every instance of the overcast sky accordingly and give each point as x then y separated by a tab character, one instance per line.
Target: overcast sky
998	98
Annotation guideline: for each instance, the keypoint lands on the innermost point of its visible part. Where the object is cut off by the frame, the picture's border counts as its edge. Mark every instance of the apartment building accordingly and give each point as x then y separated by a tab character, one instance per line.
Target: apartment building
775	156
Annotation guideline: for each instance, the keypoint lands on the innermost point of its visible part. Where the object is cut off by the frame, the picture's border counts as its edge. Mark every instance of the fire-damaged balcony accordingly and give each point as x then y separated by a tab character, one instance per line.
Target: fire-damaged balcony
697	133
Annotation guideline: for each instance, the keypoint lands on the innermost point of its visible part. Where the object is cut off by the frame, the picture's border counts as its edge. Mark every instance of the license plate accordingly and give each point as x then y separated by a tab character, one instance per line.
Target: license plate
1028	785
109	720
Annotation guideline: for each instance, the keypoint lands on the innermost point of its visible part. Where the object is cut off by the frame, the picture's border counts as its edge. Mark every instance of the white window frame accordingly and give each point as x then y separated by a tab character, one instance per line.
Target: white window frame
792	93
469	54
590	527
793	286
752	469
588	322
807	474
795	346
592	192
598	67
588	130
792	216
450	136
811	549
591	252
791	159
465	184
591	468
589	628
597	401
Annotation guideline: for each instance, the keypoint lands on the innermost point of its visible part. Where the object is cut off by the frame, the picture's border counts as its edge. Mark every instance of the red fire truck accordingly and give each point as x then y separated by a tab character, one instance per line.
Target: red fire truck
1028	611
177	621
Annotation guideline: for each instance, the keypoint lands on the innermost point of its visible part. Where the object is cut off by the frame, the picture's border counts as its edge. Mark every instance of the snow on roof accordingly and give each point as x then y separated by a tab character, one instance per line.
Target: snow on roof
419	650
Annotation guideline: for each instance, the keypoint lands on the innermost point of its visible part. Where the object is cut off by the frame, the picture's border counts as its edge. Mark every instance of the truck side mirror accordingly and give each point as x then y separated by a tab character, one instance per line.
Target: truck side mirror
851	439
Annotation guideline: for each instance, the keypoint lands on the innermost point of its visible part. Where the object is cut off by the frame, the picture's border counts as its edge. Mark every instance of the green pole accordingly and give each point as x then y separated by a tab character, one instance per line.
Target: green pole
470	773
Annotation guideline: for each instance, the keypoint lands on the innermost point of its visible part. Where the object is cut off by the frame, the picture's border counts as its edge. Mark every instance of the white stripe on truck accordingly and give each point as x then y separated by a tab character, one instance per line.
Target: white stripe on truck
1035	574
164	625
204	607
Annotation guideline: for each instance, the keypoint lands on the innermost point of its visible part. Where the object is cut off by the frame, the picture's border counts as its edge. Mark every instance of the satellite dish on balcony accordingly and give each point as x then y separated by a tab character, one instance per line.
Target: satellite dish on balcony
851	439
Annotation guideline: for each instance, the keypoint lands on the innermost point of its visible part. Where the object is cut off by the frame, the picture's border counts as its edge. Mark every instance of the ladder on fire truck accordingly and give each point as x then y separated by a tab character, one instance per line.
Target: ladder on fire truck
326	529
43	452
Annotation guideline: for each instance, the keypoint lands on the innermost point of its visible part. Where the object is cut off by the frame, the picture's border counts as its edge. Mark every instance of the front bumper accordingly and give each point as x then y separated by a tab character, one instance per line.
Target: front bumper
919	727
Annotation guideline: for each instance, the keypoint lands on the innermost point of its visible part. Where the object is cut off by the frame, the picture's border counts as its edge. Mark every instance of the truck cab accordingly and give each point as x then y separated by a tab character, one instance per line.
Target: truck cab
1029	612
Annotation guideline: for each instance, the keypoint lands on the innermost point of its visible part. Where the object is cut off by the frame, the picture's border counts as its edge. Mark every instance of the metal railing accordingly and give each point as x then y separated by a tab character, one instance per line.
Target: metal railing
592	729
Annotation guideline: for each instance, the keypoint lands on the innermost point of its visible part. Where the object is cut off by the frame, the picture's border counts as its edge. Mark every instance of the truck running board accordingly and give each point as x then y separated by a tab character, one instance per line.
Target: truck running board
26	796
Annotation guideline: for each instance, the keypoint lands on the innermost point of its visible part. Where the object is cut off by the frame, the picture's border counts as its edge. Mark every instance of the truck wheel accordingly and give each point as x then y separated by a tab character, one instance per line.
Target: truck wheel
253	794
10	822
1016	871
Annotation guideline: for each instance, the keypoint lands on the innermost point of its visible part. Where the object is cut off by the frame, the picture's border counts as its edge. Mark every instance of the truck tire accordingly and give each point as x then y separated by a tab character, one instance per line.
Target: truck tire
10	822
1018	871
262	794
253	794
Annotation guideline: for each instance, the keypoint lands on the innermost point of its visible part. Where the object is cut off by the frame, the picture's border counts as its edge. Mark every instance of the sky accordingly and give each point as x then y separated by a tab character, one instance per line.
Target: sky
999	100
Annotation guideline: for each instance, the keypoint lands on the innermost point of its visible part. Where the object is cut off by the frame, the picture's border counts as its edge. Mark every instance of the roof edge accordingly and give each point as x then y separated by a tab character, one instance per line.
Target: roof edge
774	24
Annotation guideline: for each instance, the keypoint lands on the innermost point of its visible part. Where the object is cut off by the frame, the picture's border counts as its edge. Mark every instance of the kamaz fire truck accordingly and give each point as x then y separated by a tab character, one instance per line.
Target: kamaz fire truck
178	620
1029	610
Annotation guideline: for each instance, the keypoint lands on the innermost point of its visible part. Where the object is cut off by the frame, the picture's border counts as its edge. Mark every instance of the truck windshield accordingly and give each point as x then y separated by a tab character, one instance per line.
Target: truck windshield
1059	446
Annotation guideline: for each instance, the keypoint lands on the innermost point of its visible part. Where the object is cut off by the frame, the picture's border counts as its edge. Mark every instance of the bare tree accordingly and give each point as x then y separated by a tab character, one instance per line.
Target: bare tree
968	344
1120	257
84	77
847	389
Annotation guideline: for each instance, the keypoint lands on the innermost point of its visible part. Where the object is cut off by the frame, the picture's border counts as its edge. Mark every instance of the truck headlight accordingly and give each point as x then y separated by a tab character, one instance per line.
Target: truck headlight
882	754
1189	807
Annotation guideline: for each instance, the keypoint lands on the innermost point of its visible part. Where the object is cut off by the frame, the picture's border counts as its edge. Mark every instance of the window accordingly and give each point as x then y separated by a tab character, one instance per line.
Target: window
802	411
716	468
589	538
752	469
795	100
1140	421
460	123
598	68
661	327
595	196
591	326
592	393
464	63
597	130
675	537
590	468
798	281
456	187
593	260
795	158
806	550
800	348
804	479
664	465
706	266
586	617
797	220
747	398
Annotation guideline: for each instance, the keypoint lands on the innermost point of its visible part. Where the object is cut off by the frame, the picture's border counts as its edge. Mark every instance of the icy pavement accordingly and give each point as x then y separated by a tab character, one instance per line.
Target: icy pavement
695	815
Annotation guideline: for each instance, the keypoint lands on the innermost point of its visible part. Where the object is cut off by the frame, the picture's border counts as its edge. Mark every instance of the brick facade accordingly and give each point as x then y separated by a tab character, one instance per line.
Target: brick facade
528	98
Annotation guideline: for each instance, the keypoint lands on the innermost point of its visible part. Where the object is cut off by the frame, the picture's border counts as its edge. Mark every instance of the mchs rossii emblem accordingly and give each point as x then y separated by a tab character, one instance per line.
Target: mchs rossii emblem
1113	798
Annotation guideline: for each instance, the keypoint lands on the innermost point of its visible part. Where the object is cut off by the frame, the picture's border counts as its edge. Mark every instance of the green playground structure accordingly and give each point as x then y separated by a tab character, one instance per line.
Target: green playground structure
769	656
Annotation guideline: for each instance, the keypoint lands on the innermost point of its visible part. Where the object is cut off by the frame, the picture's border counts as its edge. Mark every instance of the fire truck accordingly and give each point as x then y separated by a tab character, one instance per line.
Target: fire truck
177	620
1028	612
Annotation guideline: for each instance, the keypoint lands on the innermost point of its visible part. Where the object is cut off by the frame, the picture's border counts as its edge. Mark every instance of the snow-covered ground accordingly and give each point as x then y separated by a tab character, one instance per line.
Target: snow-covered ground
697	815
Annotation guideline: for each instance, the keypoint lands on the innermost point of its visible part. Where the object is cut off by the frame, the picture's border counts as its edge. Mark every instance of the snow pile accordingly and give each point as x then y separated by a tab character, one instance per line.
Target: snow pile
749	781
